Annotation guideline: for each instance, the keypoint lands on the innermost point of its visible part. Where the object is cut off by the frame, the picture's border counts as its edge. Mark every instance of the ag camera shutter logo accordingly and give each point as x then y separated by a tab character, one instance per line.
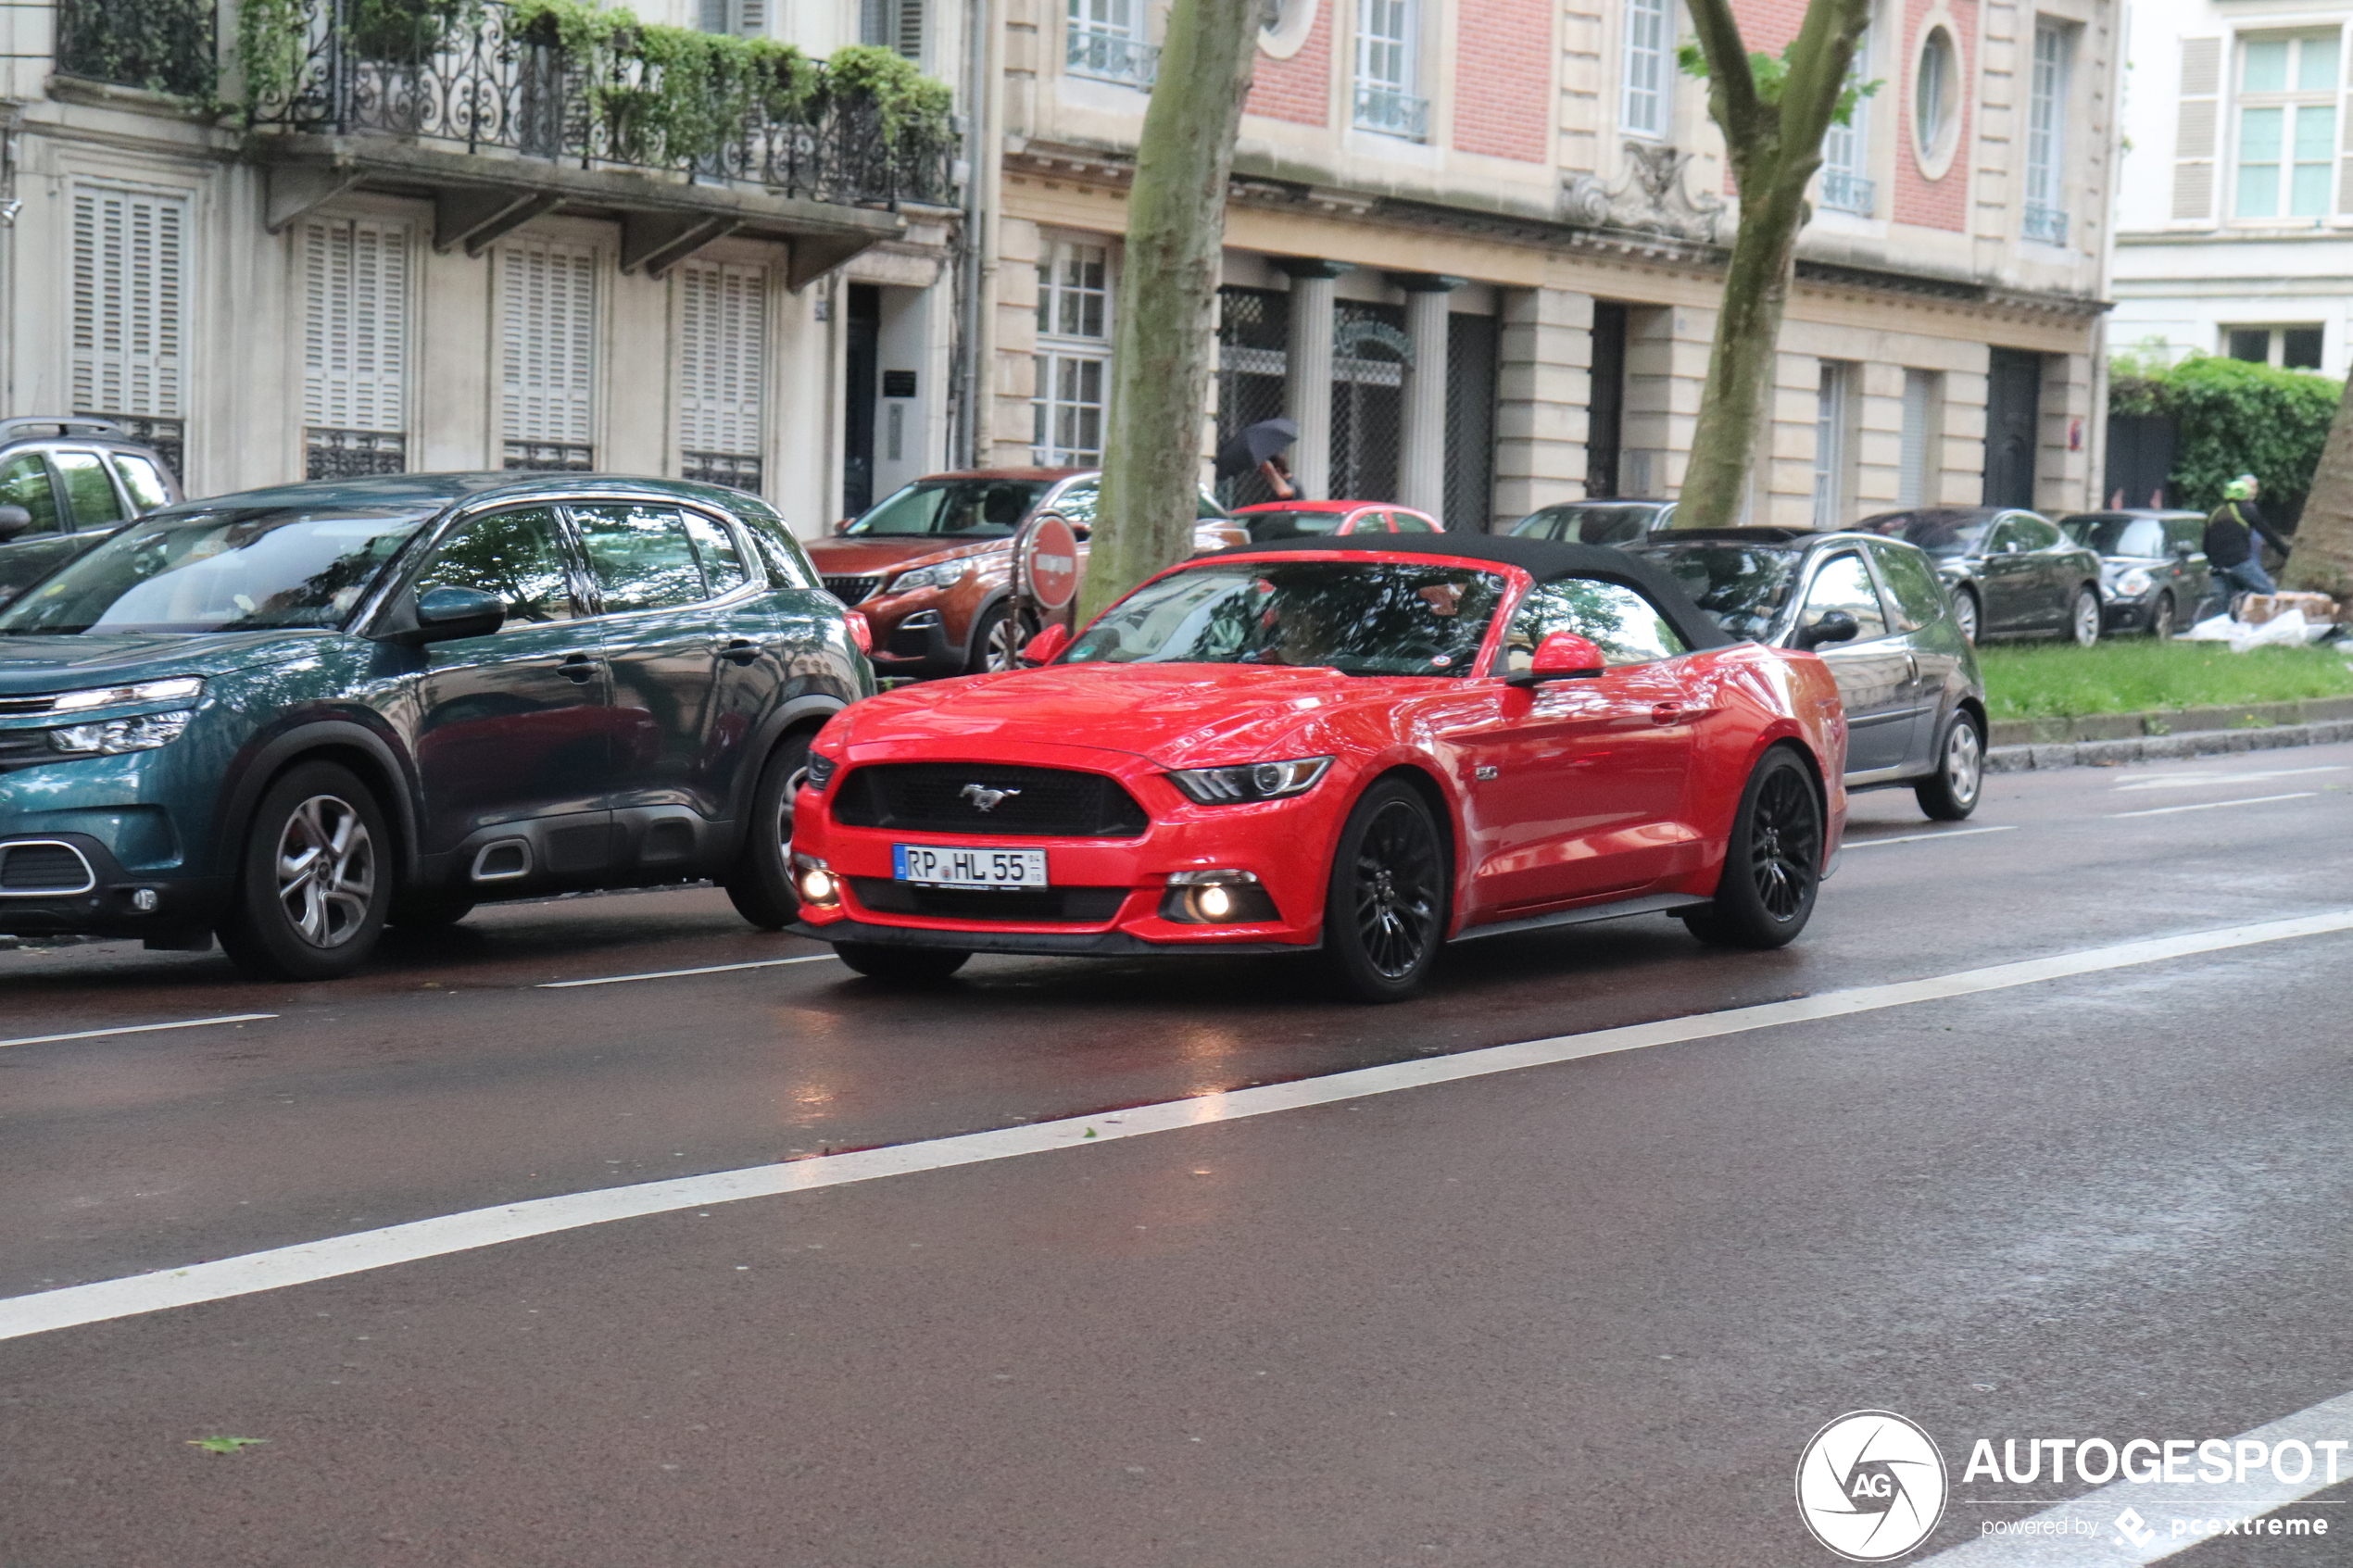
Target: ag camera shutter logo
1870	1486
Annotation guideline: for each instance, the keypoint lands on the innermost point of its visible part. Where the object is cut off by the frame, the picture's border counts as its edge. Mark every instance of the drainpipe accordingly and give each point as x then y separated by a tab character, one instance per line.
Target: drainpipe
984	153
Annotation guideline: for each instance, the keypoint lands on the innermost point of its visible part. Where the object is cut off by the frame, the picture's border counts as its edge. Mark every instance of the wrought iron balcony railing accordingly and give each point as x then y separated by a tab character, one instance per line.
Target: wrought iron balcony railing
163	46
1392	113
466	77
1843	192
1112	56
2046	225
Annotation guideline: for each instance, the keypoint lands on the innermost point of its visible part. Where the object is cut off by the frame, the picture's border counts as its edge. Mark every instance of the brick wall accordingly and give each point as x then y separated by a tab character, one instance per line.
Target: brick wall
1503	79
1942	203
1298	89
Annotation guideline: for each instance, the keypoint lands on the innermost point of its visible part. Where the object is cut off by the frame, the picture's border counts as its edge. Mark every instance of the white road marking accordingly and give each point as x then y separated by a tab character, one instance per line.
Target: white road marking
2084	1532
140	1029
675	973
2215	805
361	1250
1925	837
2184	781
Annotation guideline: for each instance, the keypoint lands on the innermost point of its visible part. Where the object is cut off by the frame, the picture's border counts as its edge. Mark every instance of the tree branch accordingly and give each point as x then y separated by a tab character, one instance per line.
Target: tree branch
1729	81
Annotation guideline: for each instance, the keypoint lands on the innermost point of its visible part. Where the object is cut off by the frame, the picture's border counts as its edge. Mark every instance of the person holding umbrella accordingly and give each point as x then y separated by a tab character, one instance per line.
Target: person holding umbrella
1260	446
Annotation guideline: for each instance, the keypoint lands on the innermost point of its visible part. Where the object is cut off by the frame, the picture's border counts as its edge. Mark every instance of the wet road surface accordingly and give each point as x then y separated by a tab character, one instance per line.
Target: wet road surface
1585	1312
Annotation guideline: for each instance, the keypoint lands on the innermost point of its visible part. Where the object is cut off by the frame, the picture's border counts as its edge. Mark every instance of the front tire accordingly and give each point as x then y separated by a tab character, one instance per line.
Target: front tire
901	966
759	885
314	878
997	643
1967	615
2083	616
1772	862
2162	616
1385	907
1952	791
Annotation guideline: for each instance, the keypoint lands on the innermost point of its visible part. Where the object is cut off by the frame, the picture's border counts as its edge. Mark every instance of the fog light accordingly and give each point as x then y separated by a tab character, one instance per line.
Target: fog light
816	883
1215	902
1217	897
144	900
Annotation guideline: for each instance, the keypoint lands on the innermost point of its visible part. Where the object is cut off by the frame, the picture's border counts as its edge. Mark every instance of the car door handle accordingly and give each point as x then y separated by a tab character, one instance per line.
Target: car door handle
741	652
579	667
1666	712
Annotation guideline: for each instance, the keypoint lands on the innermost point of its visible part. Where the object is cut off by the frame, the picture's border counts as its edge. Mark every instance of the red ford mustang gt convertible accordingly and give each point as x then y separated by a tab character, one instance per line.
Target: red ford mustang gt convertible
1361	751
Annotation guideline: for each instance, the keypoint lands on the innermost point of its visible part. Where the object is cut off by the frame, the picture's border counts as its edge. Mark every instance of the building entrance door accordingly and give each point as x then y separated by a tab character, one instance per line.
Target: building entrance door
2013	412
859	381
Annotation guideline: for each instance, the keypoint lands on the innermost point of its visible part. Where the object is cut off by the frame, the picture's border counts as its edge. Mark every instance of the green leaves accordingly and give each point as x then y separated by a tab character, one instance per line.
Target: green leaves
225	1445
2233	417
1771	73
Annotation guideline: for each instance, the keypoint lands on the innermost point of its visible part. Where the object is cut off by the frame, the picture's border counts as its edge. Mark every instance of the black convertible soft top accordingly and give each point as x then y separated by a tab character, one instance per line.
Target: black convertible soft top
1544	559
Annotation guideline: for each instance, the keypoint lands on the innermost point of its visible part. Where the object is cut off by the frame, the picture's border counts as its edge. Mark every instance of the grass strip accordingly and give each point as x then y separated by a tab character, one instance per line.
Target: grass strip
2139	675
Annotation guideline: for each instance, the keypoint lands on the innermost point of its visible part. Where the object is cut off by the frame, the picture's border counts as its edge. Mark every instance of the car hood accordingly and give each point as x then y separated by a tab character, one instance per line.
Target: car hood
1177	715
45	664
856	557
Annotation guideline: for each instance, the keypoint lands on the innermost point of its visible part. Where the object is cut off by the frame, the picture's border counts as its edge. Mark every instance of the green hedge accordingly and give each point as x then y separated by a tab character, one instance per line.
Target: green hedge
2233	417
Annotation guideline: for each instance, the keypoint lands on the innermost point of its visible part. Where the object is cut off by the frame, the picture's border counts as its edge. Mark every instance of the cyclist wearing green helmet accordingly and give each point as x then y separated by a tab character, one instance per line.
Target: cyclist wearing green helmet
2230	545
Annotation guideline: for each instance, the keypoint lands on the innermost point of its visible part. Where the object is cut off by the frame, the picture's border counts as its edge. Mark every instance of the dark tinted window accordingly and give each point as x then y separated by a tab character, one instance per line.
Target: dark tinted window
1741	586
971	509
1581	523
1940	533
639	557
2117	535
1411	523
90	494
2300	348
1918	598
1298	522
1626	626
2186	530
2033	533
142	481
517	555
1843	583
723	562
1079	500
24	482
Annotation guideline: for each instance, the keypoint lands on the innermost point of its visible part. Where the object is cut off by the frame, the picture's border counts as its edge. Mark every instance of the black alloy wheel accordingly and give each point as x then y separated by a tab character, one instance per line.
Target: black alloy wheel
2162	616
1003	634
1385	908
314	878
901	966
1772	862
1967	614
759	885
2083	616
1951	792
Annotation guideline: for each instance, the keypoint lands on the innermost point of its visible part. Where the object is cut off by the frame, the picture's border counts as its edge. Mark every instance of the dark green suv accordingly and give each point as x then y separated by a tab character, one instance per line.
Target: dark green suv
292	715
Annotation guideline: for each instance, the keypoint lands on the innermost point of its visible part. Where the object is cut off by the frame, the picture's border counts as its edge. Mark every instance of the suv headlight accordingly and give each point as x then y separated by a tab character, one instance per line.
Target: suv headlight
111	737
1251	780
180	688
929	577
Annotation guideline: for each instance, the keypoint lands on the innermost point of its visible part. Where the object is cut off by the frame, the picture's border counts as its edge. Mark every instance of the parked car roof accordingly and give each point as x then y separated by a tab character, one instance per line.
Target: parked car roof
2121	514
63	427
441	489
1306	505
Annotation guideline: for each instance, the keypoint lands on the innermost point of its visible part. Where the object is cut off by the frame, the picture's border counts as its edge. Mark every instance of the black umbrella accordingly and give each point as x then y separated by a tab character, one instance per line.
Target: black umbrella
1253	444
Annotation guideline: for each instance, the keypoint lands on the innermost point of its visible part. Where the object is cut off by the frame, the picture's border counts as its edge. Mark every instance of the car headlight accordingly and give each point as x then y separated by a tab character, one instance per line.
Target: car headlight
111	737
2132	584
929	577
180	688
1251	780
820	772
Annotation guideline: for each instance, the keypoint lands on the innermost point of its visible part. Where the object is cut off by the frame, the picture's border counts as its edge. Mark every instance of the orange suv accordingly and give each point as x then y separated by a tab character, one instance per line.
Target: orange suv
930	566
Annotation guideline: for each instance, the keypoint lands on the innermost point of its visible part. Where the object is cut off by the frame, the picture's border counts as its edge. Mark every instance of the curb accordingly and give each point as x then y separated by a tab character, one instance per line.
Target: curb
2156	748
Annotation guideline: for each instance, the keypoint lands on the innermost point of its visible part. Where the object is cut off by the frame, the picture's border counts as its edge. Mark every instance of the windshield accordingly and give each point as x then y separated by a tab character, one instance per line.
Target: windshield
1741	586
1580	523
1370	618
2117	535
1942	535
242	568
1292	522
959	508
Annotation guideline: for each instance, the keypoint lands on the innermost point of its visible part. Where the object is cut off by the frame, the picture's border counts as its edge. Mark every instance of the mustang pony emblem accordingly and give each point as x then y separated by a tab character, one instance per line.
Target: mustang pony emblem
985	798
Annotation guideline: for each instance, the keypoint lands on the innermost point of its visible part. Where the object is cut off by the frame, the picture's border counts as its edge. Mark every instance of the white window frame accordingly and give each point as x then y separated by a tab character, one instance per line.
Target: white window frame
1072	401
721	359
2293	105
358	317
1646	75
1920	443
2046	101
1104	39
1388	70
548	291
1833	396
1846	149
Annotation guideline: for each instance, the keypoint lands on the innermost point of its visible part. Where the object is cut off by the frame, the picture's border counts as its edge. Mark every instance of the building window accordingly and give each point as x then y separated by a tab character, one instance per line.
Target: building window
2046	135
1649	75
897	25
1074	353
1385	71
1846	149
723	339
1921	442
2290	349
354	347
1829	446
129	313
746	18
1936	100
1103	40
547	355
2286	126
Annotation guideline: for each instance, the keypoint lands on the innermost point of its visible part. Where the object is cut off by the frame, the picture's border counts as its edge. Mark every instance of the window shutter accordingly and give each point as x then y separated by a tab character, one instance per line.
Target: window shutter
721	350
1911	478
130	302
2195	126
546	348
909	42
355	279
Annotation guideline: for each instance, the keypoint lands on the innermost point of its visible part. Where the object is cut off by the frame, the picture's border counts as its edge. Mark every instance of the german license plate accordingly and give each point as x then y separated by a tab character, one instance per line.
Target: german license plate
950	865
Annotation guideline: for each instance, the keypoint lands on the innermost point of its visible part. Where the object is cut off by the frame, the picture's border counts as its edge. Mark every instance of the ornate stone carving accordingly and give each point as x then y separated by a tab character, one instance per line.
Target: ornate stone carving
1650	199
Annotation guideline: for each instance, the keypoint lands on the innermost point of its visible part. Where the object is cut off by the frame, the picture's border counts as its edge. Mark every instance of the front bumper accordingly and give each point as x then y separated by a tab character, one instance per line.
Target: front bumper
1042	944
44	893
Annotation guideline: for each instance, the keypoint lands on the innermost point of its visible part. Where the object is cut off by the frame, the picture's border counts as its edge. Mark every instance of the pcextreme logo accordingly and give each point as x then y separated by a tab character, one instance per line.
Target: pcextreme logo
1870	1486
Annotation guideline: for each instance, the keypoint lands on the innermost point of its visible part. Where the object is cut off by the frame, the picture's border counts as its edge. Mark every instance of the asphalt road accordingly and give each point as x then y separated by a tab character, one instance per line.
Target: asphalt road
1583	1312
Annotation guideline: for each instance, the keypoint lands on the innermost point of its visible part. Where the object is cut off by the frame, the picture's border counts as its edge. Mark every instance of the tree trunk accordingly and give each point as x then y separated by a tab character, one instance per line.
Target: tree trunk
1162	338
2321	561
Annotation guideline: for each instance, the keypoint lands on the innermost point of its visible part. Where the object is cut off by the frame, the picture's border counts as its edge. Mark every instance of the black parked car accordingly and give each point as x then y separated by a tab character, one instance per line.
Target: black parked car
1875	611
66	486
2011	572
289	716
2153	571
1596	522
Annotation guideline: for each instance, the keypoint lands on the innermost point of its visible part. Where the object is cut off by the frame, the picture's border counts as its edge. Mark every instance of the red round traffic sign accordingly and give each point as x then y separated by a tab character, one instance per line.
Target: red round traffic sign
1048	560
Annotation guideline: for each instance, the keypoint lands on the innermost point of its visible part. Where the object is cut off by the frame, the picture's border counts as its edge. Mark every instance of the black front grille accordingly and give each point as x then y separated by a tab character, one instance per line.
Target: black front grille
22	749
40	704
1014	906
1022	802
42	868
850	590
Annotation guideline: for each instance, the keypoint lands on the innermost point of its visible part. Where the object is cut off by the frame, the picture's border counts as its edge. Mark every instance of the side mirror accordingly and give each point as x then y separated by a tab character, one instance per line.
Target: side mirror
14	520
1564	655
2183	550
1835	626
843	525
1047	646
443	614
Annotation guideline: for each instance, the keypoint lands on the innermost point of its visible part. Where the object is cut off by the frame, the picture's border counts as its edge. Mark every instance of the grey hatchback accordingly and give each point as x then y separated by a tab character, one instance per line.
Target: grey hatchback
2010	572
1875	612
68	484
2153	569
